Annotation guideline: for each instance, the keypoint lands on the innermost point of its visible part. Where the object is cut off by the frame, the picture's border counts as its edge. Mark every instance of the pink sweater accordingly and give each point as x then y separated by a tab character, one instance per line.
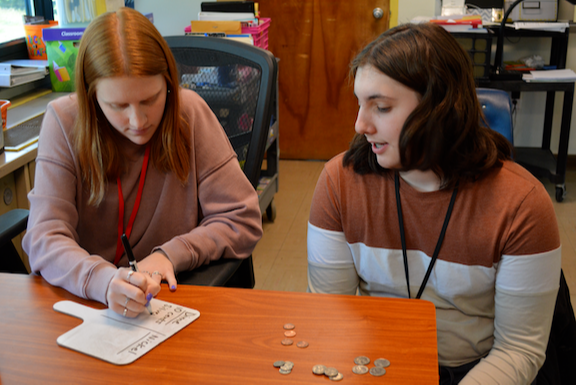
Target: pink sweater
72	244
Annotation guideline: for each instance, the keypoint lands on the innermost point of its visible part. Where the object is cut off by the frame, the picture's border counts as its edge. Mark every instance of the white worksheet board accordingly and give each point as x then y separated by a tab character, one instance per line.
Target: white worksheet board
119	340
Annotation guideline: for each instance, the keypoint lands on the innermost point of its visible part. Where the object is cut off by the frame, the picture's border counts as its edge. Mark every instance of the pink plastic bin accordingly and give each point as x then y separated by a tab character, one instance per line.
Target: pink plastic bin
260	33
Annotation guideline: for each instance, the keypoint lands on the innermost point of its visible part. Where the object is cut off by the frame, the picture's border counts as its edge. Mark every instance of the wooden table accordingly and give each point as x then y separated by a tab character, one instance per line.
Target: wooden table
235	340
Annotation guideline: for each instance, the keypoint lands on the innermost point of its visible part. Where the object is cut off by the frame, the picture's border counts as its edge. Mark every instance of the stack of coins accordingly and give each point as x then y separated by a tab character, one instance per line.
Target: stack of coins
329	372
378	370
284	367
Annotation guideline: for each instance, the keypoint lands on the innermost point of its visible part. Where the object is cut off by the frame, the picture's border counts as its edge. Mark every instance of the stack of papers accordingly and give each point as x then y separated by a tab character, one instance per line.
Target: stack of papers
542	26
16	72
550	76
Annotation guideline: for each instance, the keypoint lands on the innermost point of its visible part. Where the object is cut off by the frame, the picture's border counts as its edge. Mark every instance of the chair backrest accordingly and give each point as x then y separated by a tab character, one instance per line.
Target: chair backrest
238	82
497	109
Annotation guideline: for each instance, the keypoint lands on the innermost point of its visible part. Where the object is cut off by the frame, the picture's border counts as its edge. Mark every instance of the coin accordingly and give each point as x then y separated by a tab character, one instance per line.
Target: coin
278	364
361	360
283	371
289	364
289	333
289	326
377	371
337	377
287	342
382	362
318	369
302	344
330	372
360	369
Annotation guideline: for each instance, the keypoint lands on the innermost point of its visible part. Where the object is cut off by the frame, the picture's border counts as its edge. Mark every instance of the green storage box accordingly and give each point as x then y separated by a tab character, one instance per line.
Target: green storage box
62	50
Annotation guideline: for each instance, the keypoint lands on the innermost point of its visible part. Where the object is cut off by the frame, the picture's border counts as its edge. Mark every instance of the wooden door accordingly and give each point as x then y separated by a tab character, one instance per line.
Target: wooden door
315	41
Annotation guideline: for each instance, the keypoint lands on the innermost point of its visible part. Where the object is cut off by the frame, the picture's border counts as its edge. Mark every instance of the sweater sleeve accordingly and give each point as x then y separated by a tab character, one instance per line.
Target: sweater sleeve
51	240
525	296
331	267
230	218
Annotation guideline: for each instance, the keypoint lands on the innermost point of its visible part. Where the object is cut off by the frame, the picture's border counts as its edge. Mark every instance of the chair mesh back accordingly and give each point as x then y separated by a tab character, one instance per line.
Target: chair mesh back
229	84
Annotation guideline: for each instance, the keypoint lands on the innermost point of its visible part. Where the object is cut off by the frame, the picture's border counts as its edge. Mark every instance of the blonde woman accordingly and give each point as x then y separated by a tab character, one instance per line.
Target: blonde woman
132	153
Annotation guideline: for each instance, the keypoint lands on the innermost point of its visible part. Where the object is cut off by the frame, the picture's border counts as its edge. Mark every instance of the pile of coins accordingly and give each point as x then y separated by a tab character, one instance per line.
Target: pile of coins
284	367
331	373
378	370
291	333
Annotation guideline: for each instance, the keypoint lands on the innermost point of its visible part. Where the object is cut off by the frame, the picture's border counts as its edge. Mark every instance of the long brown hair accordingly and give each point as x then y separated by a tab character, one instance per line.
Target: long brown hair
445	133
125	43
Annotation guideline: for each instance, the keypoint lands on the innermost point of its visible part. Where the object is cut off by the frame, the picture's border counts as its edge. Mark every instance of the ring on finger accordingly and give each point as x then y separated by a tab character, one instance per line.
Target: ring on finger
126	303
129	276
158	273
147	272
125	310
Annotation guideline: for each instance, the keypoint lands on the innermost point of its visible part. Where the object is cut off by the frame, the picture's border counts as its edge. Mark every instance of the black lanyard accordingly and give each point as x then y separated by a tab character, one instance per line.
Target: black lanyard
403	239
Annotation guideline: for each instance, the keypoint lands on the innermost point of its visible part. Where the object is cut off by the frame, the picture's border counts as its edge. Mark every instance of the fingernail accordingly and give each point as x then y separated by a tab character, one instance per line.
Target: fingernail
173	287
149	297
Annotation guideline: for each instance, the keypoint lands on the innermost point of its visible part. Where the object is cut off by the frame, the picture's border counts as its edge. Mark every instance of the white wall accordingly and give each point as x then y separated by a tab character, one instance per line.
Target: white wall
170	16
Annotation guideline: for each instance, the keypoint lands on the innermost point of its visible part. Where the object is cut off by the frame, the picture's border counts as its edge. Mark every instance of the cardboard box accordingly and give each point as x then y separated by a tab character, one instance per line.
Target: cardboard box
62	49
530	10
227	27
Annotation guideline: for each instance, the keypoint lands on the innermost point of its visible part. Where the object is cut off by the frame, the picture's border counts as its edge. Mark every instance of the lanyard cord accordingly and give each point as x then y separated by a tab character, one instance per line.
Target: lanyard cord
119	247
403	238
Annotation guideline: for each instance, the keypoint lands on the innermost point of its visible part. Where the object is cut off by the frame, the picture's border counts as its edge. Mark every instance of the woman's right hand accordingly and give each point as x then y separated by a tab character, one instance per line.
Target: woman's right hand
129	292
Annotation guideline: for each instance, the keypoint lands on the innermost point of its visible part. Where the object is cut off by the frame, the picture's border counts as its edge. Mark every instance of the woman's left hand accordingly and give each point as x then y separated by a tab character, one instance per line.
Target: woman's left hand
159	268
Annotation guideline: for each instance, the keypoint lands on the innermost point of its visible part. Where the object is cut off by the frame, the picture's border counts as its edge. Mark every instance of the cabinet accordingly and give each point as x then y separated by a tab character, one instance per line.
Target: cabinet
540	160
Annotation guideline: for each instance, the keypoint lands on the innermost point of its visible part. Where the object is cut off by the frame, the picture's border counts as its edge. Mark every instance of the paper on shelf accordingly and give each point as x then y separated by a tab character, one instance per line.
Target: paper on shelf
563	75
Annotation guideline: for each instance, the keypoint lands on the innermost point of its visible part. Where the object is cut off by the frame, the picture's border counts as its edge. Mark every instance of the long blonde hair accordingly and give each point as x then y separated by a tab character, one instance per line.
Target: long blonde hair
125	43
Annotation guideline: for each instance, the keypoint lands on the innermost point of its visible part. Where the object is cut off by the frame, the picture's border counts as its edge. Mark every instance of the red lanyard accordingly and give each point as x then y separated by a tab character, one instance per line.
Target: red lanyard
119	248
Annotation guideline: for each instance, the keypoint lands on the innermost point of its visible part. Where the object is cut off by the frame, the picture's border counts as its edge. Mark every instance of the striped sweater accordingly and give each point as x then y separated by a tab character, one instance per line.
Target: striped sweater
495	281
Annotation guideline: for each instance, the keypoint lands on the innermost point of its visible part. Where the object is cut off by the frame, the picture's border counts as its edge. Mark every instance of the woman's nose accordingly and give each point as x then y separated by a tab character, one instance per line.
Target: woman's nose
138	117
363	123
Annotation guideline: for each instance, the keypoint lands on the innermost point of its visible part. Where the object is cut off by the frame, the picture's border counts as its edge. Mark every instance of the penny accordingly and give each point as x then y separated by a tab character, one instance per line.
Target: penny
287	342
337	377
289	333
330	372
278	364
318	369
360	369
361	360
289	326
302	344
377	371
282	371
382	362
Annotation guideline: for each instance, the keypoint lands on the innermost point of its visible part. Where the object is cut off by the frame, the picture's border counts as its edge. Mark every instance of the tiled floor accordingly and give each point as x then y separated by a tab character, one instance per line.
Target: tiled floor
280	257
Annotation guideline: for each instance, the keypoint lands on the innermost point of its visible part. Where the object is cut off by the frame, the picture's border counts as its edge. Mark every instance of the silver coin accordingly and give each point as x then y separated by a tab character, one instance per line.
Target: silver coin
382	362
318	369
330	372
337	377
289	326
377	371
360	369
302	344
361	360
289	364
283	371
278	364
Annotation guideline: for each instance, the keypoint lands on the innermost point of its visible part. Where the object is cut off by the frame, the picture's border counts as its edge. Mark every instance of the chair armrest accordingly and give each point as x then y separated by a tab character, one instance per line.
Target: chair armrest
12	223
223	272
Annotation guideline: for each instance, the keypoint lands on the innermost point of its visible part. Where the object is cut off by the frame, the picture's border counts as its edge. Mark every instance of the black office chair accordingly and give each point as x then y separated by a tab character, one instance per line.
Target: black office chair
238	81
561	350
12	223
